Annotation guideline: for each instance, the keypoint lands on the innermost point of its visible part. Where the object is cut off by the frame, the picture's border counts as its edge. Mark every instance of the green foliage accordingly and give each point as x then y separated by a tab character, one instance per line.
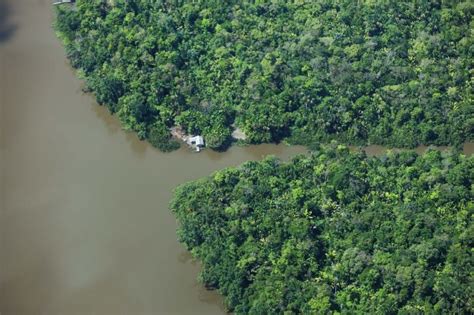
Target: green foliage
217	137
160	138
397	73
336	232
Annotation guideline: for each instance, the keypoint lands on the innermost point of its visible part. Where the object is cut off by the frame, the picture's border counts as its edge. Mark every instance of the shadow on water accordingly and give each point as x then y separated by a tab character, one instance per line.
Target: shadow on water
6	27
113	126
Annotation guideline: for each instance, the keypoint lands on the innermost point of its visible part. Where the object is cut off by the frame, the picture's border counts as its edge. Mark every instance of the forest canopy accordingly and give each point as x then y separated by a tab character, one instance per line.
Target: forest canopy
336	232
396	73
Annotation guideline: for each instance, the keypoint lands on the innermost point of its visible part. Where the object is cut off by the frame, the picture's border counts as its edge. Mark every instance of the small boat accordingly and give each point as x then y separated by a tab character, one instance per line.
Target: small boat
64	1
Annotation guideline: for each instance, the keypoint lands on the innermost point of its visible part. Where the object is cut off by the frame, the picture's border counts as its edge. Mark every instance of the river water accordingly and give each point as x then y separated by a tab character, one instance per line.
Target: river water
85	226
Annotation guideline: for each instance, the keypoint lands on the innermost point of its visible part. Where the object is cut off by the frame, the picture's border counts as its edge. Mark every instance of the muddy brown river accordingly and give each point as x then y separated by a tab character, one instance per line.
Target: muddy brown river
85	226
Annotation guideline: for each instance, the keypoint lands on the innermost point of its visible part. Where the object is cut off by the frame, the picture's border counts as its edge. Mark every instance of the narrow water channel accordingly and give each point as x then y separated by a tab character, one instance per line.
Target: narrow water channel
84	225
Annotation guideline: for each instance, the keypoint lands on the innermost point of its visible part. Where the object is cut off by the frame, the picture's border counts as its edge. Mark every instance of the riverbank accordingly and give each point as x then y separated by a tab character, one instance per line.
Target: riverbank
154	78
85	226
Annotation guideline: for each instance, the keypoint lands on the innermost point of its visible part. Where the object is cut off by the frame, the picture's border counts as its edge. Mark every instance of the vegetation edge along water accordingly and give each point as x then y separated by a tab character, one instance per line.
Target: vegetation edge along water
395	73
333	232
336	232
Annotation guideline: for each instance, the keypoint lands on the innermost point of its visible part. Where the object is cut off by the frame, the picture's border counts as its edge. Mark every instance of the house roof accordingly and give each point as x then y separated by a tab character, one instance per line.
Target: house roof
197	139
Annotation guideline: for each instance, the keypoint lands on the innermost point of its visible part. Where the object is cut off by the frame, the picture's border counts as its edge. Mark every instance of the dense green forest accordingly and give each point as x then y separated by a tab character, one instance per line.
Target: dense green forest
336	232
397	73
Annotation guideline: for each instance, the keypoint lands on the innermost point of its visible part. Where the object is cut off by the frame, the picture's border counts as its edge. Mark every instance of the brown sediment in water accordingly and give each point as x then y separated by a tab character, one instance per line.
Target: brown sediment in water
84	222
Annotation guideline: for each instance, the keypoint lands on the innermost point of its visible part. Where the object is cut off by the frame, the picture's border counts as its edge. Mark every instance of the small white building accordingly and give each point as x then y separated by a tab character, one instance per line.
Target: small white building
196	142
